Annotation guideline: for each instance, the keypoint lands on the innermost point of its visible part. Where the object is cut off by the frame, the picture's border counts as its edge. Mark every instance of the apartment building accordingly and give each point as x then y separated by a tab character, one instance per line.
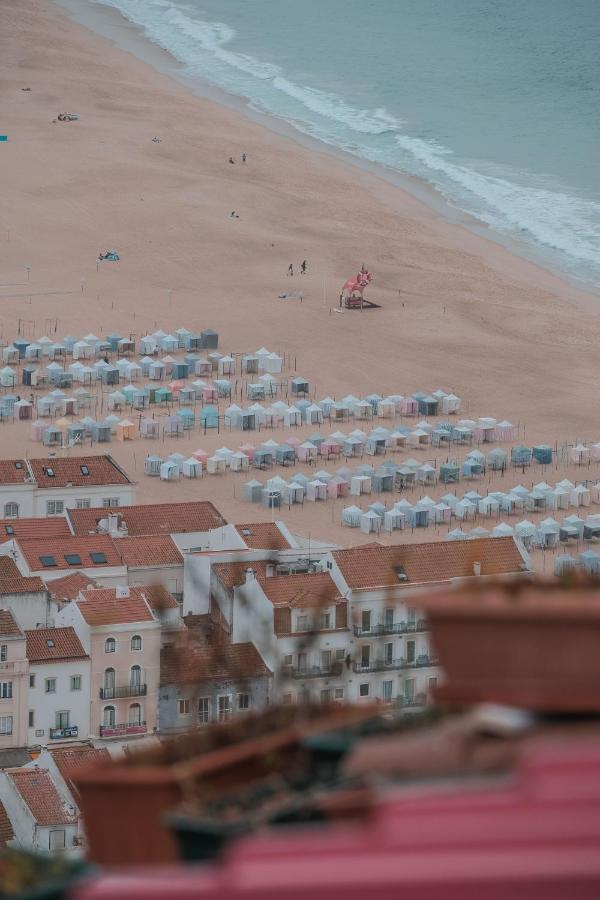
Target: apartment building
41	819
14	683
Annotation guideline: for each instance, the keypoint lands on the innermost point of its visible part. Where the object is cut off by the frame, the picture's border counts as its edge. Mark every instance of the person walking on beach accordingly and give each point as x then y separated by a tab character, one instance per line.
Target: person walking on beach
290	269
243	157
303	267
232	160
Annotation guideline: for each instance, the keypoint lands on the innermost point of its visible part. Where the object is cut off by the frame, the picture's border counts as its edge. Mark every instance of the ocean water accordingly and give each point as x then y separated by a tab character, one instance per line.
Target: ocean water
494	102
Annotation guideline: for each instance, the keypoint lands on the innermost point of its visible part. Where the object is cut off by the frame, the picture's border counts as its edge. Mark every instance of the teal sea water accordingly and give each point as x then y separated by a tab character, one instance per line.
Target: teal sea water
494	102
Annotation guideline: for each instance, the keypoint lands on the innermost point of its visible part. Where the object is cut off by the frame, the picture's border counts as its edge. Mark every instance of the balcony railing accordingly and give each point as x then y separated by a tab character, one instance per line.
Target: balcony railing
391	628
385	665
123	730
127	690
60	734
331	671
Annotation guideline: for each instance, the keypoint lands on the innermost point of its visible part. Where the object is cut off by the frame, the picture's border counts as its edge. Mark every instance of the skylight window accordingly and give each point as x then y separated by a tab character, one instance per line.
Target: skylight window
246	532
73	559
9	529
49	472
401	573
98	558
50	642
47	561
18	465
84	470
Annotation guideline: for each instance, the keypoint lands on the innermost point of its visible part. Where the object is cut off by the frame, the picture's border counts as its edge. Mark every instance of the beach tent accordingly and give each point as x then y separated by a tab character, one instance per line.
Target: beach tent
101	433
505	431
23	409
169	471
547	533
216	465
157	370
316	490
580	496
299	386
386	409
590	562
293	493
488	507
564	564
53	436
263	458
409	406
353	446
426	474
351	516
307	452
116	400
239	462
326	405
405	477
497	459
8	377
450	404
579	454
152	465
574	526
126	430
383	481
370	522
520	455
191	468
10	354
82	350
542	453
360	484
338	487
419	516
457	534
449	472
252	491
464	509
393	520
209	416
37	430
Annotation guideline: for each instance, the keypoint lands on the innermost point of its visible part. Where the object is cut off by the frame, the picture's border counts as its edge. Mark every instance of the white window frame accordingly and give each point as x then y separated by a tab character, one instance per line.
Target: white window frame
6	690
57	839
223	715
73	678
366	685
8	510
55	507
62	712
47	682
114	649
183	706
248	704
204	710
110	502
3	652
83	503
6	724
136	637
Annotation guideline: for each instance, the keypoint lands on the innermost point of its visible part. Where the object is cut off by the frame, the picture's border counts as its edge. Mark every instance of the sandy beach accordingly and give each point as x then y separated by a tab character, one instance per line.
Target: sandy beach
457	311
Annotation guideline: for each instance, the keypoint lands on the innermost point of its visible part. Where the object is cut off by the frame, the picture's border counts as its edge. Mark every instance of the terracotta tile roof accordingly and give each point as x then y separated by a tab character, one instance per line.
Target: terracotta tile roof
138	552
21	585
232	574
304	591
159	598
103	607
102	469
8	626
371	567
262	536
8	567
153	518
79	548
202	660
38	793
70	586
53	644
6	829
71	760
13	471
54	526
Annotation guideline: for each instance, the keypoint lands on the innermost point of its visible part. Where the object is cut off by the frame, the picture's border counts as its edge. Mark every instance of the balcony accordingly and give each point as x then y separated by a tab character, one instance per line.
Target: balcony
331	671
108	731
392	628
61	734
127	690
388	665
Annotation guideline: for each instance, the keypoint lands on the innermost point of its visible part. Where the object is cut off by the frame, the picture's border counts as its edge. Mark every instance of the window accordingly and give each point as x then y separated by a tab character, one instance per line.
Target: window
110	645
243	701
31	718
73	559
409	690
302	662
432	684
366	620
32	681
329	564
98	558
389	617
363	690
50	685
388	650
47	561
302	623
325	659
110	501
5	690
9	530
340	654
56	839
288	659
183	707
135	678
325	621
387	689
48	471
339	693
410	651
3	652
84	470
11	510
83	503
224	707
54	507
6	724
136	642
108	717
204	709
135	714
75	682
365	656
325	695
62	719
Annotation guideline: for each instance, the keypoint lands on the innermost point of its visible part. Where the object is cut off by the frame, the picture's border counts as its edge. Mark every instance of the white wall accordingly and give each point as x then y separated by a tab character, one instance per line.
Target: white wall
23	494
170	577
30	610
45	706
252	620
94	493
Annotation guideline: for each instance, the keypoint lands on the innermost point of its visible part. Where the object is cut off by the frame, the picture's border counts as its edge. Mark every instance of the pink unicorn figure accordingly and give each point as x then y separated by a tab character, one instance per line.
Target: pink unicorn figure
355	286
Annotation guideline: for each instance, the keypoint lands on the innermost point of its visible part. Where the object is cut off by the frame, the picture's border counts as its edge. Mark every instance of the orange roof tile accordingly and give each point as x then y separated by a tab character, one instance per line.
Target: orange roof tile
12	582
8	567
365	568
153	518
39	794
139	552
101	469
53	526
8	626
6	829
262	536
70	586
53	645
13	471
202	660
103	607
159	598
78	548
315	589
71	760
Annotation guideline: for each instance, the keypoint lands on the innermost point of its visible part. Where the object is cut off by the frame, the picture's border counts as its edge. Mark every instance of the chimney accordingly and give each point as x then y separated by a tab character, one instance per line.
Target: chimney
270	570
250	575
477	569
113	524
122	592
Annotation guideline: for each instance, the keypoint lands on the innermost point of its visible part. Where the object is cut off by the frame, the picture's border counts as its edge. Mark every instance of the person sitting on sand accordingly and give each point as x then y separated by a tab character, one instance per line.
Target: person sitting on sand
290	270
232	160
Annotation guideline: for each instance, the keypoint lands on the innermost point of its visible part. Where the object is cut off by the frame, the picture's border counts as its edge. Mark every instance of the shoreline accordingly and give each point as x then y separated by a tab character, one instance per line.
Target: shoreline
111	23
